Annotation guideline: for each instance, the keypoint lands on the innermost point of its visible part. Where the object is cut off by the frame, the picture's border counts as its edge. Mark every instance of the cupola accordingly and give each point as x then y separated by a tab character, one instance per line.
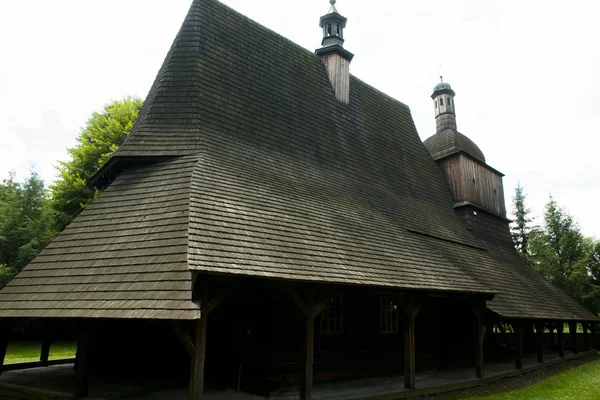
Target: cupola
332	53
474	185
443	102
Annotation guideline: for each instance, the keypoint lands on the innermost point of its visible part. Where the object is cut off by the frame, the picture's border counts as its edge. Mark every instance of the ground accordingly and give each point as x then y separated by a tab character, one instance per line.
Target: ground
575	379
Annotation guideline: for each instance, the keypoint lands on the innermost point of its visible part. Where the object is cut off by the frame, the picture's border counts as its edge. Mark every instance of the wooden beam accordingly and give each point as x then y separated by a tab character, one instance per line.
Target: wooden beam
216	301
82	364
539	334
184	337
573	334
479	337
309	348
198	359
560	327
411	309
45	353
586	336
518	343
6	326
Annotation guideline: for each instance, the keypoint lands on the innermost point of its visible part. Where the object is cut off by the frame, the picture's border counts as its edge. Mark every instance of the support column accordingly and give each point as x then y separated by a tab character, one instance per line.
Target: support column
82	362
311	309
478	310
539	340
560	326
309	350
573	334
45	353
594	335
5	333
411	308
586	337
551	336
518	343
199	357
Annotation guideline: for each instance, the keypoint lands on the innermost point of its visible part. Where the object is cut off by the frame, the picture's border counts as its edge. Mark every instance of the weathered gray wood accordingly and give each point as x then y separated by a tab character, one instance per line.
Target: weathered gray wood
560	327
45	352
184	337
586	336
5	331
539	340
309	354
198	360
518	343
309	345
479	337
411	309
82	366
573	334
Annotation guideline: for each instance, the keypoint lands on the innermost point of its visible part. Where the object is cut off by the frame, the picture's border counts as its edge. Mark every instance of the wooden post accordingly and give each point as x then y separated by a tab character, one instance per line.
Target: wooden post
82	363
411	308
479	337
309	350
586	337
539	333
198	358
560	326
5	331
573	334
518	343
45	353
594	335
551	335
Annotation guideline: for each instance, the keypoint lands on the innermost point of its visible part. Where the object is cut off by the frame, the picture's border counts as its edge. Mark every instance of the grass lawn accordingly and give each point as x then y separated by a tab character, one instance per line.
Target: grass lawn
19	352
578	383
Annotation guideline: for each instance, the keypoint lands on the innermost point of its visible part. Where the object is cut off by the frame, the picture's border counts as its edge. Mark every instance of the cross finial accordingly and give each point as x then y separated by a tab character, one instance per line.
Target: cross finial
442	78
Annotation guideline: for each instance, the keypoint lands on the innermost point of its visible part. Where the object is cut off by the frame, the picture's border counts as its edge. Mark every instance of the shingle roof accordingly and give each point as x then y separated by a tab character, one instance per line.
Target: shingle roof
448	142
125	256
271	176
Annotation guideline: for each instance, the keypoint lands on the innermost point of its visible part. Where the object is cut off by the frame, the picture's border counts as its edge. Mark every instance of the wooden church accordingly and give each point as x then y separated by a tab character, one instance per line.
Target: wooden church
271	224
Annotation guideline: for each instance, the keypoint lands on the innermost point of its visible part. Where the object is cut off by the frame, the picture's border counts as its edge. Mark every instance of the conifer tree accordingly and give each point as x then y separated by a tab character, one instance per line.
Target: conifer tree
520	228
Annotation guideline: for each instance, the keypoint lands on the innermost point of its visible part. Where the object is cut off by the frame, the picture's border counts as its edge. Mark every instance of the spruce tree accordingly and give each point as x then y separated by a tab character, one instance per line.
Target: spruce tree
520	228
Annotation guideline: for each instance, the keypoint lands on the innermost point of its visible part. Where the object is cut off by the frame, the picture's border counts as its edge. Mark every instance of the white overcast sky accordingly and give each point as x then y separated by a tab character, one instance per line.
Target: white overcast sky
526	74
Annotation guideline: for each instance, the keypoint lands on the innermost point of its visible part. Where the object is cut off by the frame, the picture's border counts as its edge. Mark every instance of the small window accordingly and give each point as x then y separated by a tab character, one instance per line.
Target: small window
338	29
441	101
449	101
436	106
329	29
332	321
388	314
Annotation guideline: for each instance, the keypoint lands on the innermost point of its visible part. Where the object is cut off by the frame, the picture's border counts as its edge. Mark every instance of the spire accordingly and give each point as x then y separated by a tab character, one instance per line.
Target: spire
334	56
332	9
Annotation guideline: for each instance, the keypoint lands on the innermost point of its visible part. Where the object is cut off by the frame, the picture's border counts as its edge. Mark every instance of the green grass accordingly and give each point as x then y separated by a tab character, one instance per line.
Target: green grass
578	383
20	352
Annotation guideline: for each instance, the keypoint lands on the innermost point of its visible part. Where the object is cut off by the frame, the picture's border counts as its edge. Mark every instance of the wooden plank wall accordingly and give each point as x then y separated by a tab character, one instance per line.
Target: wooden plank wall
473	182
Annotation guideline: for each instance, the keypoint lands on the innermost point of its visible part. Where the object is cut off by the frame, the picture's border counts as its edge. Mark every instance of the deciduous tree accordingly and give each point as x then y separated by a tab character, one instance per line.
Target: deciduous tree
98	140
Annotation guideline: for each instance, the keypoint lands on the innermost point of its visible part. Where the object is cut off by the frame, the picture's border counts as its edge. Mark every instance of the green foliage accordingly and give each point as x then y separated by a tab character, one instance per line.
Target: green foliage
565	257
520	228
24	224
98	140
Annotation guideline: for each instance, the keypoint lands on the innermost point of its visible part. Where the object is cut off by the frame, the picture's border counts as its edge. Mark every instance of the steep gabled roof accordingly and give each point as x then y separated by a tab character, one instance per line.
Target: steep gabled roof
270	176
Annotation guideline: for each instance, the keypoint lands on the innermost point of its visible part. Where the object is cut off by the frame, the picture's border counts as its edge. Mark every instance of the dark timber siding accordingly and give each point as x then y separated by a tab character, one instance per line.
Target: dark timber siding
472	182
